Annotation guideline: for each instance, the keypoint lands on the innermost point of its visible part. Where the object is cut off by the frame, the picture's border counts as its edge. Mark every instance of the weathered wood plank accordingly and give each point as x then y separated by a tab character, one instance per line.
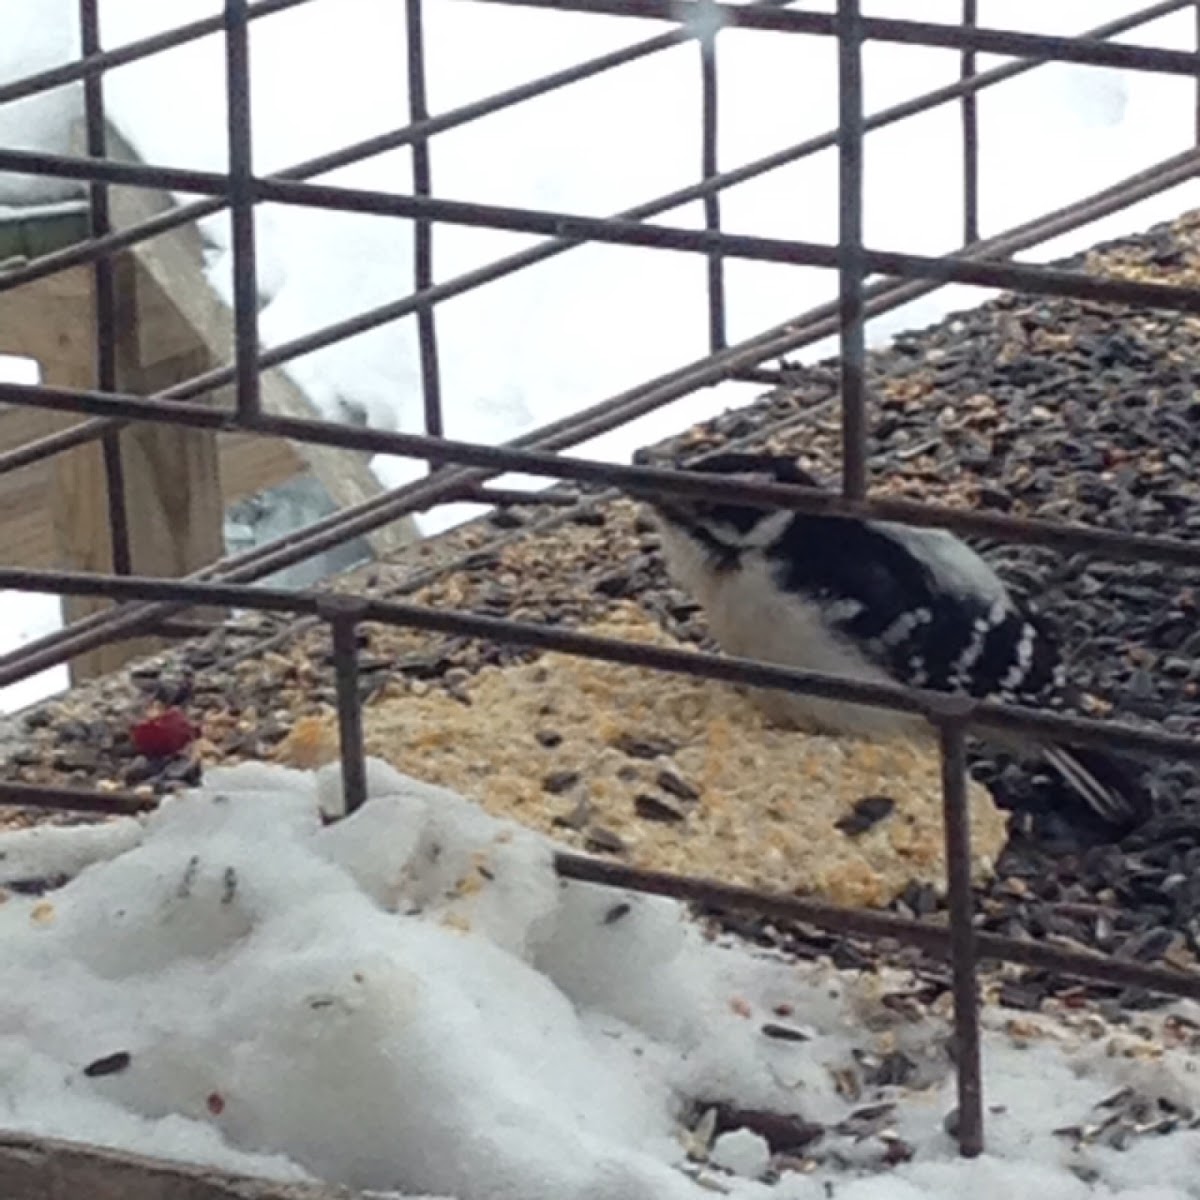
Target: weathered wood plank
176	512
252	464
171	326
248	464
48	1169
24	526
175	261
51	322
176	509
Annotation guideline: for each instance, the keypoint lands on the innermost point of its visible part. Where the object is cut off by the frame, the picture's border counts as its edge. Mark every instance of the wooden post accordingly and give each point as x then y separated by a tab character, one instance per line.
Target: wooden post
50	322
176	263
171	326
42	322
172	475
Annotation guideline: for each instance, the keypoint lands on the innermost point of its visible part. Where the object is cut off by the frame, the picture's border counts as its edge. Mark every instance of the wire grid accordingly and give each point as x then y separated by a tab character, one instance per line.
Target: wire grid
461	469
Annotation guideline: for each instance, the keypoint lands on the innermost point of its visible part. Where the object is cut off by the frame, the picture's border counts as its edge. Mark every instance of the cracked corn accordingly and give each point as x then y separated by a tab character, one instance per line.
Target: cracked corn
686	773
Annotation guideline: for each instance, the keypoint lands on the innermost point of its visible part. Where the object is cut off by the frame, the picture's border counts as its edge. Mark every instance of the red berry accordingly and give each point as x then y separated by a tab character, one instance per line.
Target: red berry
163	735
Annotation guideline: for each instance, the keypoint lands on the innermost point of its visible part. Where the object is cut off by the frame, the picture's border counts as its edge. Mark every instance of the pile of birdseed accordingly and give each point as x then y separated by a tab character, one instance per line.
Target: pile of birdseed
1035	406
671	773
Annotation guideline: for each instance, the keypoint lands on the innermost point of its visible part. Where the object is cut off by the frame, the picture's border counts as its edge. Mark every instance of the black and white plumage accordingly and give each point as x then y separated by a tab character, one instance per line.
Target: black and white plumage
875	601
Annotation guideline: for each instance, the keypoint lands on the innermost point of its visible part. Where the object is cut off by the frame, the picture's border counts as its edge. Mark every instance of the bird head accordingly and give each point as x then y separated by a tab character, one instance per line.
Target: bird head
722	526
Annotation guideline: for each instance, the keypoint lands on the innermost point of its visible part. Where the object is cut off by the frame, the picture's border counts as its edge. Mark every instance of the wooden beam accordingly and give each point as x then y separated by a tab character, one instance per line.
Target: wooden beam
176	509
46	321
248	464
175	262
171	326
34	1168
172	476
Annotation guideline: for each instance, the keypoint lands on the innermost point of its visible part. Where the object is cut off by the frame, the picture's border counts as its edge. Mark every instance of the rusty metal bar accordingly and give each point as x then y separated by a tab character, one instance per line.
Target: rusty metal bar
728	179
623	231
954	268
1169	171
957	818
768	376
74	799
93	631
821	322
55	77
983	717
585	499
1197	28
397	502
742	174
970	133
709	170
930	938
184	214
241	209
1056	48
431	386
1070	284
851	258
105	285
87	252
94	64
111	170
55	443
479	493
344	156
76	256
101	628
116	502
180	627
780	340
599	418
1110	543
817	324
961	942
343	614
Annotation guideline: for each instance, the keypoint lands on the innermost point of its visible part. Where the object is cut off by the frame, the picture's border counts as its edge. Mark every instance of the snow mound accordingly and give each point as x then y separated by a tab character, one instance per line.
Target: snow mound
410	999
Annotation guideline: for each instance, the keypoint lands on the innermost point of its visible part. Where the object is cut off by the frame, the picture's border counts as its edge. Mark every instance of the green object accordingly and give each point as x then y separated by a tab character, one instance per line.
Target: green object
33	232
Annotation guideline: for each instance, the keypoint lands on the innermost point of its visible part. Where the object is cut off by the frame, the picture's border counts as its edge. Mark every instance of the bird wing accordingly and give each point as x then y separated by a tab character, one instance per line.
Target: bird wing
919	604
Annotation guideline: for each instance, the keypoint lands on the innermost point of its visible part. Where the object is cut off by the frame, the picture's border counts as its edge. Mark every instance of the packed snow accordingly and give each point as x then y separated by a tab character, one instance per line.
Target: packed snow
409	999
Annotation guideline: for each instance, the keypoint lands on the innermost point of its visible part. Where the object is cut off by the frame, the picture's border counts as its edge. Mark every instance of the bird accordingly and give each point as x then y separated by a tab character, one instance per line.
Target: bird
875	601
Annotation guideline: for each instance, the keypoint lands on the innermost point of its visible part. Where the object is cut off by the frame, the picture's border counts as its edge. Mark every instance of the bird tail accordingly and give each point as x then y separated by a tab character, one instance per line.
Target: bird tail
1107	784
